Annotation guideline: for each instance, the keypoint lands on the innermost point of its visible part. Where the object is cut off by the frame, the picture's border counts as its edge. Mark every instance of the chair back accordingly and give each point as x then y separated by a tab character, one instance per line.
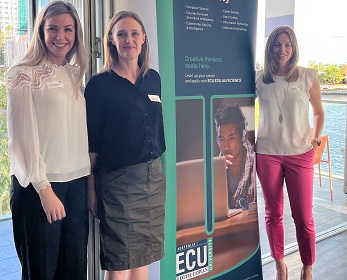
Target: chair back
318	153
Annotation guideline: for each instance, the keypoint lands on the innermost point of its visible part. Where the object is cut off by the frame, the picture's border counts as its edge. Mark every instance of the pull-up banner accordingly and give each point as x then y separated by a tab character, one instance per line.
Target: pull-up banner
208	75
214	48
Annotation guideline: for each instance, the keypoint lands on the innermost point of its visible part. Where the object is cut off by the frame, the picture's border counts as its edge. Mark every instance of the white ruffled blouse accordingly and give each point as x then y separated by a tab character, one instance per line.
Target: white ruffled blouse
47	127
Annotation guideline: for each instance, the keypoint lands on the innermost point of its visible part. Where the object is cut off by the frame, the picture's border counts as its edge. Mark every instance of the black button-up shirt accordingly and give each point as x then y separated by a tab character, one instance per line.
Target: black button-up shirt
125	122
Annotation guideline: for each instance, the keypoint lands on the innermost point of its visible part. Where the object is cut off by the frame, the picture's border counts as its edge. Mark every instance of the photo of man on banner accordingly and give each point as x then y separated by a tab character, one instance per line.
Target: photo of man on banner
239	155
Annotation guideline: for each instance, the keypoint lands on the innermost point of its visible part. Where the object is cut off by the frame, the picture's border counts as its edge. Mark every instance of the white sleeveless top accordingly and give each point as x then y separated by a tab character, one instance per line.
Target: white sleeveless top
292	135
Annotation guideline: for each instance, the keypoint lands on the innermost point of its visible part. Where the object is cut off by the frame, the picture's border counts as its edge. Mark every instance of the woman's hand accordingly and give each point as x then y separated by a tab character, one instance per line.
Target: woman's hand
314	144
52	205
92	200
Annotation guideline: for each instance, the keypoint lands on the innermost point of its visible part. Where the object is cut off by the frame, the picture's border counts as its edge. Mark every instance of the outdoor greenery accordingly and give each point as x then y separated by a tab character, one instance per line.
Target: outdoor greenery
4	159
6	34
3	97
330	74
4	169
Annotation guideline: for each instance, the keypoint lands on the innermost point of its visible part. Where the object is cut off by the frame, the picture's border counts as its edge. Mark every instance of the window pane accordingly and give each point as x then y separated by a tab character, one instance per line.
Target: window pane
4	168
13	44
13	32
78	4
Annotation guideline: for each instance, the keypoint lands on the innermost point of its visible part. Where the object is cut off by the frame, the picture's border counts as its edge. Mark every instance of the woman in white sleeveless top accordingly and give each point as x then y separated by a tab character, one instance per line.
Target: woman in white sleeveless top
285	147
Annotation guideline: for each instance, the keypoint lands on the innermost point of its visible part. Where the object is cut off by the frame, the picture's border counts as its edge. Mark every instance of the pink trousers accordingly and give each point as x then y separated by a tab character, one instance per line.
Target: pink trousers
297	172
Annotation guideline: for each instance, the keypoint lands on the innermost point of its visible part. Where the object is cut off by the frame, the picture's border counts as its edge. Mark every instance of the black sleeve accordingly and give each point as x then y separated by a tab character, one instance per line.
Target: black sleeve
157	80
95	113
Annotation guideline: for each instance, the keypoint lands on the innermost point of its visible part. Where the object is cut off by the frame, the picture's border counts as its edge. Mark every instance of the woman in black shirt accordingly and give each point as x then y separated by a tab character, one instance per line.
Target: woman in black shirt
126	140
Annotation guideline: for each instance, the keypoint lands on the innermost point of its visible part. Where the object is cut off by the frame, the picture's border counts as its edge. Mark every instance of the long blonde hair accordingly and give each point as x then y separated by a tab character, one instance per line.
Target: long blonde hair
37	48
271	66
110	51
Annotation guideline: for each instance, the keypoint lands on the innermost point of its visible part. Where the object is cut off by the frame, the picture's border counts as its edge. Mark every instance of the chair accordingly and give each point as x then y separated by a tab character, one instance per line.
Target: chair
318	158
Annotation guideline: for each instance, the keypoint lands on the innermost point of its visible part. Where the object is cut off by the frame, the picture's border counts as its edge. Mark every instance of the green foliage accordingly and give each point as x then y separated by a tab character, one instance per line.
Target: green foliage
4	159
331	74
320	70
4	168
3	95
6	34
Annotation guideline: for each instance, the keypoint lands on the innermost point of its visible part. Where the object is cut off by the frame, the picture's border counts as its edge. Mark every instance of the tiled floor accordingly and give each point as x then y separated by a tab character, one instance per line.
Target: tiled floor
9	264
331	261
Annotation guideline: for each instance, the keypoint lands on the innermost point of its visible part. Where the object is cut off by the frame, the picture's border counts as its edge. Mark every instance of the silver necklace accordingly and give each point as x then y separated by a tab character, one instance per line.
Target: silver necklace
280	117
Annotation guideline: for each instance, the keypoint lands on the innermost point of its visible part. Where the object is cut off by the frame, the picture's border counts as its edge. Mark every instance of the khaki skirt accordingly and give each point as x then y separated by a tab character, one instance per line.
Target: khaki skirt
131	204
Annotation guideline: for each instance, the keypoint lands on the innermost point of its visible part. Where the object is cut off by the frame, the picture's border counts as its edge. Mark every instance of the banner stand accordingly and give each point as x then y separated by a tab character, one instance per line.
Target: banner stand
206	61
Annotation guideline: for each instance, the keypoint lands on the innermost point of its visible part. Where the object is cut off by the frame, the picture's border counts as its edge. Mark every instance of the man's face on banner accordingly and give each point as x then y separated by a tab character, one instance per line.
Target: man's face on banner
229	140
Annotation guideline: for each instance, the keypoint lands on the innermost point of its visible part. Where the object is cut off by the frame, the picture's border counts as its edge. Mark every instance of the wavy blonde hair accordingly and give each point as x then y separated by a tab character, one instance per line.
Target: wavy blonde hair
37	49
110	51
271	66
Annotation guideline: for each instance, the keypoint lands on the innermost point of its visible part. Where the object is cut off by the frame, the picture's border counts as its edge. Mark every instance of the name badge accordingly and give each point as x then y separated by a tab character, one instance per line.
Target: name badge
154	98
55	84
295	88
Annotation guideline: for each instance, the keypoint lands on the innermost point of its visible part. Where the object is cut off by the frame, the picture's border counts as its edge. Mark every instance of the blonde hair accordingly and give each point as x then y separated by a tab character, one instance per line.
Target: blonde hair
271	66
37	48
110	51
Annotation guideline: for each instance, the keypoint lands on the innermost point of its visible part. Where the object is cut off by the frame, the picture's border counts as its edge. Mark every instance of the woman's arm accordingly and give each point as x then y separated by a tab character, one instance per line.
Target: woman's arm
318	111
92	200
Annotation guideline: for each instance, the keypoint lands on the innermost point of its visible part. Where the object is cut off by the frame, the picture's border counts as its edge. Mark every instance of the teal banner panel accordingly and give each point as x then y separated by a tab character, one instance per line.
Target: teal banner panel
206	62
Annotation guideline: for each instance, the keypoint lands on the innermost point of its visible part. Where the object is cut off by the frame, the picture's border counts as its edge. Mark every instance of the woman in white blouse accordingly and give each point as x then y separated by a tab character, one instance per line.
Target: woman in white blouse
48	148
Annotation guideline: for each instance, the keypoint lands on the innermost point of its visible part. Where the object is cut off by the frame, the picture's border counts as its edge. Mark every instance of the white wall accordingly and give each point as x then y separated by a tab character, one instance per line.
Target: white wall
277	8
260	43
